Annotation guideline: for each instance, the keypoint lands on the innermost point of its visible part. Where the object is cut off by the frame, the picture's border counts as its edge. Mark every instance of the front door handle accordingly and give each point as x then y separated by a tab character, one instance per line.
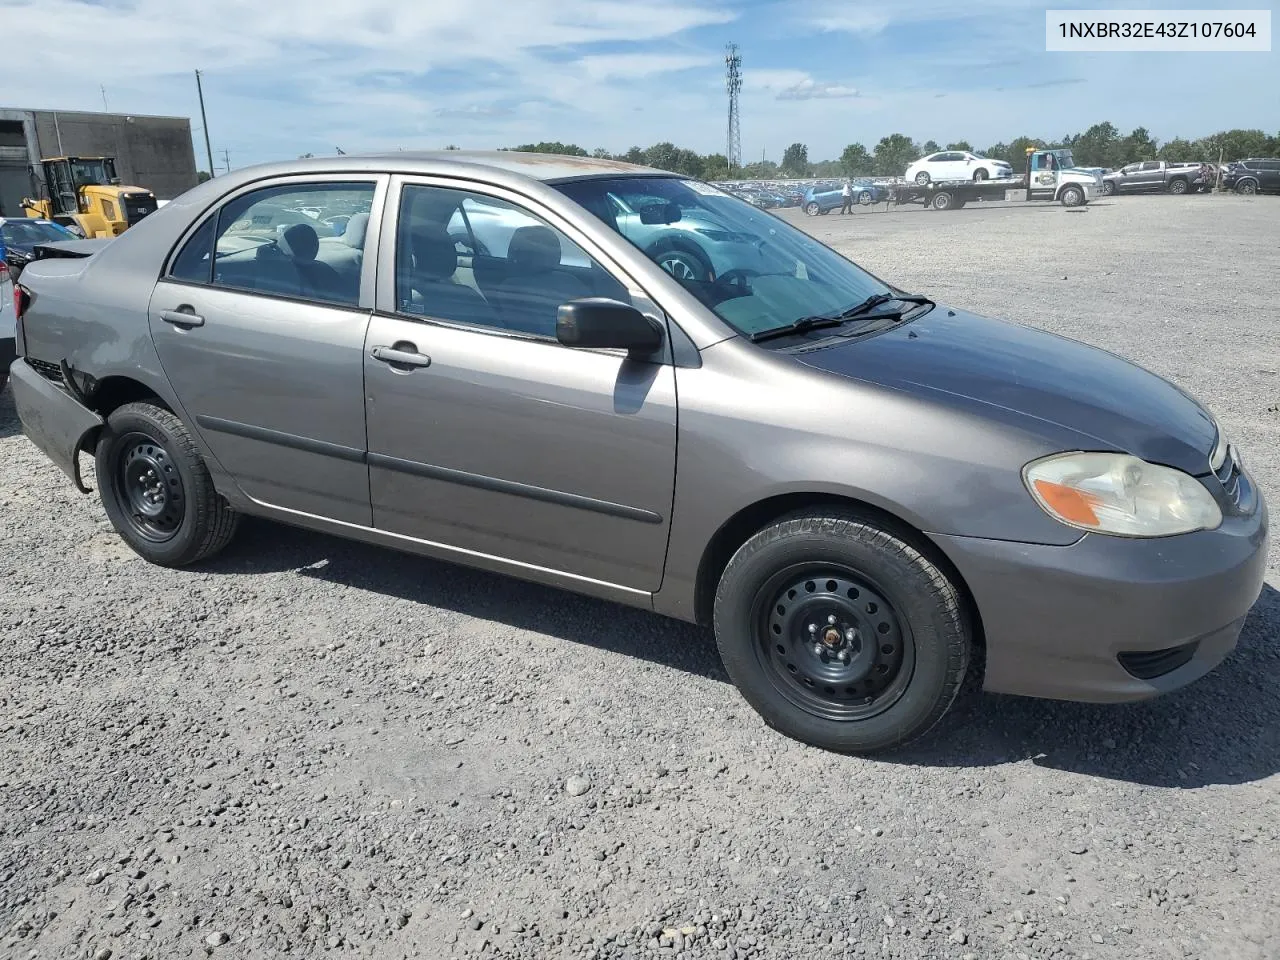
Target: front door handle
184	316
402	355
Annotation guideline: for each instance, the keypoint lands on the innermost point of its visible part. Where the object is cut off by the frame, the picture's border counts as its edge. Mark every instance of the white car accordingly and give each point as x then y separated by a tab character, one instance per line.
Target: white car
957	165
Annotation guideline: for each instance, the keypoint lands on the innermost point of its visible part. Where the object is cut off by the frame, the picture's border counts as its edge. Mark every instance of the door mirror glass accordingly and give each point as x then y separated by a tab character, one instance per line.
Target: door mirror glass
605	323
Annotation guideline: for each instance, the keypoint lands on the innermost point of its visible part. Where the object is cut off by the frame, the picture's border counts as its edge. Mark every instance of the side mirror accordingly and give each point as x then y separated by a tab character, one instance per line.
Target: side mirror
660	213
602	322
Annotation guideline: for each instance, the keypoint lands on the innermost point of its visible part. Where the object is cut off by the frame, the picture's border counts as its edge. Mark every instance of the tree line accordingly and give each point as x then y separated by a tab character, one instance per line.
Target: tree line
1102	145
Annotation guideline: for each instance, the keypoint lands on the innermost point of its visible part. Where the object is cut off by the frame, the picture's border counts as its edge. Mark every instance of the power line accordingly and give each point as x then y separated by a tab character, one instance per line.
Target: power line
733	83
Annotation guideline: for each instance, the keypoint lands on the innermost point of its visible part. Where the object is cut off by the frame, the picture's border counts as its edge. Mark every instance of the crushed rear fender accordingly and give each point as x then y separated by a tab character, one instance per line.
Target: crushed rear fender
53	419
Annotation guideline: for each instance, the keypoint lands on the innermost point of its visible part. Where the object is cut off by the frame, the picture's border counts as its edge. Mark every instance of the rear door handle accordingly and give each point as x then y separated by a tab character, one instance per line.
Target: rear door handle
184	316
401	355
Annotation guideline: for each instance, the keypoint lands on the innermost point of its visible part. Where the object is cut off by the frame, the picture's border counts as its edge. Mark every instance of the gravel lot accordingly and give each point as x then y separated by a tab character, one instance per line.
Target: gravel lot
315	747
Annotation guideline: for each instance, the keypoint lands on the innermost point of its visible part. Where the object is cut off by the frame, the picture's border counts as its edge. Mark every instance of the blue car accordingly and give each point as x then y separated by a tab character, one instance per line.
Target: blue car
19	235
825	199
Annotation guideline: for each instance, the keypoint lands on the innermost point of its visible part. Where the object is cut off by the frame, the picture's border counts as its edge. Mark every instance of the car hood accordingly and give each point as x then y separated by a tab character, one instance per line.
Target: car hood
1071	394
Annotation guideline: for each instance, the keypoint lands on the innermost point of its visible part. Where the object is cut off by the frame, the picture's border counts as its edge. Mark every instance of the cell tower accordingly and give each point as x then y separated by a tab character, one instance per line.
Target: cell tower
733	83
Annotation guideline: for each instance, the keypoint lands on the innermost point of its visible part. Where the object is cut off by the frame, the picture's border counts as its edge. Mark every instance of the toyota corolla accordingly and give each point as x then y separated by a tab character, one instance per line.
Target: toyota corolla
858	488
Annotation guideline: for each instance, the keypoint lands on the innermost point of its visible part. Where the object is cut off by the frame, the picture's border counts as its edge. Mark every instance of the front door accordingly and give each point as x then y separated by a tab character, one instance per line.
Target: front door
486	434
263	343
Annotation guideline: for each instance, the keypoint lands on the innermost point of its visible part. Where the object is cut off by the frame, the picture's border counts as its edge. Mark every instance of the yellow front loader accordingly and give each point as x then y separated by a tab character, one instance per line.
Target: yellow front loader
85	195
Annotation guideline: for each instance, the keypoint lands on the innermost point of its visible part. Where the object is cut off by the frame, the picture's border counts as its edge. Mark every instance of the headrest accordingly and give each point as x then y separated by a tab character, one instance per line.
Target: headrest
299	241
534	248
353	236
434	253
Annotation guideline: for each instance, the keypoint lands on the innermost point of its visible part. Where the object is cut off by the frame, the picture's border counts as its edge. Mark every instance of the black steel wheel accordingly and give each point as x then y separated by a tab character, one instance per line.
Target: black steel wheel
842	633
148	488
833	645
156	489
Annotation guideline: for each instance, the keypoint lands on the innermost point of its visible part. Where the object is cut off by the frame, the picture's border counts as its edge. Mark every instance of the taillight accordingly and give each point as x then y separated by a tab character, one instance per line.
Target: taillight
4	271
20	301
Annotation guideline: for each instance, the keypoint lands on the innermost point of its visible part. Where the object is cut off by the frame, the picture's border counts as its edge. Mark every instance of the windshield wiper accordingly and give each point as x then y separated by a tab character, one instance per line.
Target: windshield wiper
805	324
802	325
873	301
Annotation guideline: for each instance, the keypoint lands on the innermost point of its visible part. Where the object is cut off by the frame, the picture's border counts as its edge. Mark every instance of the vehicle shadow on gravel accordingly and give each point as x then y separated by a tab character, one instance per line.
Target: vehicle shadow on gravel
261	545
1223	729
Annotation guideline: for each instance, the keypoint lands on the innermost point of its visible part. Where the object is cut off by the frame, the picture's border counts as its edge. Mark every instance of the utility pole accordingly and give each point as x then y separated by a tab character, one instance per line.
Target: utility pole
104	98
226	159
204	120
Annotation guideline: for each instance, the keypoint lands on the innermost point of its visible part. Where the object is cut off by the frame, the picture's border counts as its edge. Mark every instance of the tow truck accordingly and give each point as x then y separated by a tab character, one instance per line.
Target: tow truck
1052	176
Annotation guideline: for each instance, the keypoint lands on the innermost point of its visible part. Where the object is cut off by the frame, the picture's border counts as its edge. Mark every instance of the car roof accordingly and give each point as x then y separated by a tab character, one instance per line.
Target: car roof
546	167
4	220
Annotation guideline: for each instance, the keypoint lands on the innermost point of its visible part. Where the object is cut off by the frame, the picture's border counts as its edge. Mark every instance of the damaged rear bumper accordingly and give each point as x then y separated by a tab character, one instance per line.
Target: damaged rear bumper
53	419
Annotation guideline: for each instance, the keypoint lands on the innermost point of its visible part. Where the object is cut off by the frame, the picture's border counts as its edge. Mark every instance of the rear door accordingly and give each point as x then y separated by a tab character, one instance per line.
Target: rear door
493	439
1269	174
263	341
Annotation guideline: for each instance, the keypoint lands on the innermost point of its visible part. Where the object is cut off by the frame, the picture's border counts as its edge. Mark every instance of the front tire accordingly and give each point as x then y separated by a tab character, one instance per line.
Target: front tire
1178	187
979	175
841	633
865	198
1109	188
1072	197
922	178
1247	187
156	489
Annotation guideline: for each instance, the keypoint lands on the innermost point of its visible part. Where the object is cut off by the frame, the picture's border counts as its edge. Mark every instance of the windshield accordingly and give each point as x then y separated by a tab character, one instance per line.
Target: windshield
17	233
93	172
752	269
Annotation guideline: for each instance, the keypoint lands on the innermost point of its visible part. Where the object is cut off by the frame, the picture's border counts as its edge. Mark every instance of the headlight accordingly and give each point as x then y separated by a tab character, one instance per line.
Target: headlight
1120	495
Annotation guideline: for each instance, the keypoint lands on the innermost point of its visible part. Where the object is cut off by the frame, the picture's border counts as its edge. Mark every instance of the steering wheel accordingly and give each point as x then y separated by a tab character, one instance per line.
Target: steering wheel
739	278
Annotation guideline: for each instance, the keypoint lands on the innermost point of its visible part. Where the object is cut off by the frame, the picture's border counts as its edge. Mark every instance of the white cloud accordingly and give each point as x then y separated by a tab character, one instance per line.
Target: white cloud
633	66
875	17
809	89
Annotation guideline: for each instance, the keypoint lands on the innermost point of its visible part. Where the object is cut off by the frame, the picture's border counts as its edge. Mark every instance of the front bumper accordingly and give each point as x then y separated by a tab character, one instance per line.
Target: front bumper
51	418
1061	622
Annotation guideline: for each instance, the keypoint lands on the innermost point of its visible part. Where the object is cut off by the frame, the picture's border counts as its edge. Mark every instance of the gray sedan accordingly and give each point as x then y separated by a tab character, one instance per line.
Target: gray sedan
868	495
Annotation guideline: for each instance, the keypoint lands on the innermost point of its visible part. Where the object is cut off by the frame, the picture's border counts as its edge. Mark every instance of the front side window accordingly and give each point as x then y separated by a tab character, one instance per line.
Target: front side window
288	241
473	259
752	269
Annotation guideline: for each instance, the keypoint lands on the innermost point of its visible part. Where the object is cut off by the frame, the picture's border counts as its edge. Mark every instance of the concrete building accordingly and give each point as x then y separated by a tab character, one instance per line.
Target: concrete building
152	152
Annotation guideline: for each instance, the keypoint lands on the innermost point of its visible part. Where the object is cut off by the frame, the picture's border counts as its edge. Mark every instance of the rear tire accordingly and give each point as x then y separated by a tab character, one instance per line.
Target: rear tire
812	208
840	633
156	489
942	200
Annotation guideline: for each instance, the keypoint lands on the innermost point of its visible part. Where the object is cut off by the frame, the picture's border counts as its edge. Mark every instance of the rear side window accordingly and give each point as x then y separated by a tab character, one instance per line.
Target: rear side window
194	263
303	241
